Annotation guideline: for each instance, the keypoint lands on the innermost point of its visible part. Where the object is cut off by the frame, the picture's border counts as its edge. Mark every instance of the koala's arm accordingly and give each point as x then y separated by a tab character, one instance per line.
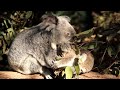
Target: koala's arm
64	62
68	59
63	48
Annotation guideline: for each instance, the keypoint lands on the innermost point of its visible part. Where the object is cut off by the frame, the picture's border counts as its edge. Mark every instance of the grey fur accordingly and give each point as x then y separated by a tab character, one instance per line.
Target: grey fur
31	50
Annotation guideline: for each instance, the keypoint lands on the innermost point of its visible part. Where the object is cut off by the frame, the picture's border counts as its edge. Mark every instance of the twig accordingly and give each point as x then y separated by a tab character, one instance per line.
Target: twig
111	65
103	56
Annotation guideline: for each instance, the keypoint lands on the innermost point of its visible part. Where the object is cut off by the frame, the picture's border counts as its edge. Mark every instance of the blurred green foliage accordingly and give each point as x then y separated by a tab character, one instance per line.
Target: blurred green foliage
103	40
81	20
11	23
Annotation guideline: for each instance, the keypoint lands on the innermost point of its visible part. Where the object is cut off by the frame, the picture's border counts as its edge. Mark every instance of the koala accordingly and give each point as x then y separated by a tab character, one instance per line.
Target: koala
87	61
66	59
84	59
34	50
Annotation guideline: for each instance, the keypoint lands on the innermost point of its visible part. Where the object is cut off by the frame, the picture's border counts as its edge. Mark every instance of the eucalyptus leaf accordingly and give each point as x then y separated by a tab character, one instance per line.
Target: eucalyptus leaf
110	37
84	47
1	52
8	38
5	23
11	35
92	46
28	14
87	32
4	46
22	15
5	36
10	30
0	43
82	58
68	72
116	71
109	50
119	73
63	73
77	69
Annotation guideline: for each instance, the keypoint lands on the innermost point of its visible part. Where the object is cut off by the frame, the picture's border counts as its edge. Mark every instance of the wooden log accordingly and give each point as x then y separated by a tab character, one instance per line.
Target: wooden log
96	75
90	75
16	75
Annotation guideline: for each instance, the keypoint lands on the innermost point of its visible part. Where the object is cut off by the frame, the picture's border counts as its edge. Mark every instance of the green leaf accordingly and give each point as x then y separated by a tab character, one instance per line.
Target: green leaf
28	14
4	46
0	42
11	32
77	69
68	72
84	47
1	52
92	46
86	33
10	35
109	50
8	38
119	73
22	15
63	73
5	23
82	58
4	35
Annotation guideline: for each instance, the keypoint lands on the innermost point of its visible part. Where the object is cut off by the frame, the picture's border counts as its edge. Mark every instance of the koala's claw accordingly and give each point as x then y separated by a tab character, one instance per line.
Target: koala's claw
48	77
53	61
53	64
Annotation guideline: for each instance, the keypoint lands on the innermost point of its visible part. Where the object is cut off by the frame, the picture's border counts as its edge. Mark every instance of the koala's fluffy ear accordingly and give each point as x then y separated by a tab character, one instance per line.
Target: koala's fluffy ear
49	18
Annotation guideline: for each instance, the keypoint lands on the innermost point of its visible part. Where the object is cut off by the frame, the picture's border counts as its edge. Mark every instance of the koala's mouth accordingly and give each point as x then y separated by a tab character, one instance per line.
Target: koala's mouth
74	38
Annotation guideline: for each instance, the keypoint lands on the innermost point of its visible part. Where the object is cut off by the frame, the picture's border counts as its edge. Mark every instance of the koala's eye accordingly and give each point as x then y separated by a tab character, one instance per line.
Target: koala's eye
68	34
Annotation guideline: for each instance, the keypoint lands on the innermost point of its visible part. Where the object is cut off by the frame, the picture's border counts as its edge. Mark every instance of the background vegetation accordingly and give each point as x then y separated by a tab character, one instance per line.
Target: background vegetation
97	32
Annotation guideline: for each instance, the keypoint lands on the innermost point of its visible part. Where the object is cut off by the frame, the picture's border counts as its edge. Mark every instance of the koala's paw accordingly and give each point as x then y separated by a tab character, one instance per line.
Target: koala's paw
56	64
65	47
52	63
48	77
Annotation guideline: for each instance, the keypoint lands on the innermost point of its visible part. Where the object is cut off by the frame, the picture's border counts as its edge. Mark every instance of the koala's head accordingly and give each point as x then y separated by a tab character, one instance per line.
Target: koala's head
60	26
65	29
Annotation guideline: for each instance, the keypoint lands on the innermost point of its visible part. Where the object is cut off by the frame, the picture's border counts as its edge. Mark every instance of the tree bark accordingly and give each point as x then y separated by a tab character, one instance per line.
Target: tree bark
90	75
96	75
16	75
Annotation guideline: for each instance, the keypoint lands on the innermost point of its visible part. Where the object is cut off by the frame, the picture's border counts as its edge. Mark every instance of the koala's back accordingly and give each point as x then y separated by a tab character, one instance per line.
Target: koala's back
30	44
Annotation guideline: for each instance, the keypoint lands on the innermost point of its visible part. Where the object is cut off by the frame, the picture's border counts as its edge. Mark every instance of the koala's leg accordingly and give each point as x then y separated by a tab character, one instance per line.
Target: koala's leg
36	67
44	71
30	66
24	66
